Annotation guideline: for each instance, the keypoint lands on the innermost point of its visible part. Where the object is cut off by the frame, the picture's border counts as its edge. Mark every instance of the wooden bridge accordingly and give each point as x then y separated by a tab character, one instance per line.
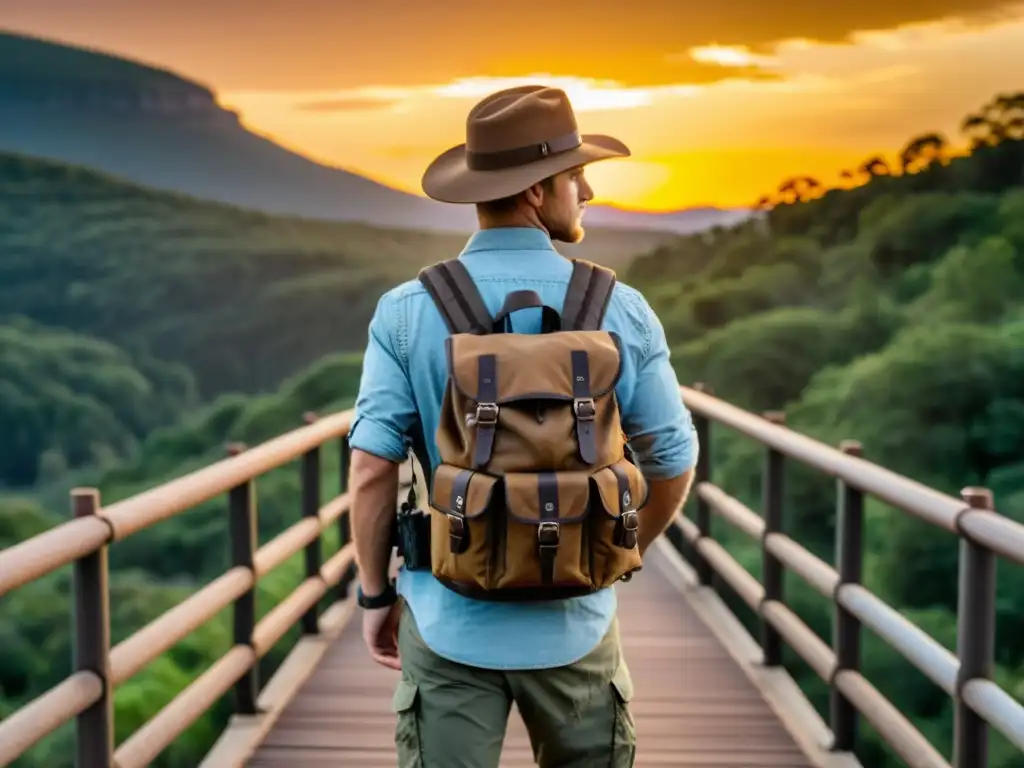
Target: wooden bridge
706	693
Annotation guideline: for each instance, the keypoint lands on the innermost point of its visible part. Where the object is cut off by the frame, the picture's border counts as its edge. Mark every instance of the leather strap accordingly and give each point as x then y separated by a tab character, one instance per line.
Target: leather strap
548	529
587	296
458	532
486	409
583	407
626	531
510	158
456	297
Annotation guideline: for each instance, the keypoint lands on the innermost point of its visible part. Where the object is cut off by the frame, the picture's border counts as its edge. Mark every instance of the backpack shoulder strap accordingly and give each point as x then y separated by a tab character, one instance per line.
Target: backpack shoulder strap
456	297
586	298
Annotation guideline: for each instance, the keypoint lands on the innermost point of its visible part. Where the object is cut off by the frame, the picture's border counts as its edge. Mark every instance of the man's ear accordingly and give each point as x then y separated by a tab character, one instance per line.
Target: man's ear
535	194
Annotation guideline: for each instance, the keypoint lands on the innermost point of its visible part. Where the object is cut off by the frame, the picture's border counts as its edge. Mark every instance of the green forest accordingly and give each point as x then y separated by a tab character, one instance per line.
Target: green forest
141	332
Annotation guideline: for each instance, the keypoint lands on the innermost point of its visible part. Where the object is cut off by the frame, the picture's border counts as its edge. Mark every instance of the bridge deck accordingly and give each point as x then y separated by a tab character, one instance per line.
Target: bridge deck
693	704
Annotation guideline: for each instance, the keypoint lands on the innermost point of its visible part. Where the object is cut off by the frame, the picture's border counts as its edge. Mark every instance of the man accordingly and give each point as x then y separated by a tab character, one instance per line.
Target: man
464	660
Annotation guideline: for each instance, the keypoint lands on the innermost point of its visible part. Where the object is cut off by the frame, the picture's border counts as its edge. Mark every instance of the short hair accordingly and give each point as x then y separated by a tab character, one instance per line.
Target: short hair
508	204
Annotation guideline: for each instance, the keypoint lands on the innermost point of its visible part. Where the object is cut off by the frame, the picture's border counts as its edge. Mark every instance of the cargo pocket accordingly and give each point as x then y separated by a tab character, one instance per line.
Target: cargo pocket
624	736
462	526
407	726
614	524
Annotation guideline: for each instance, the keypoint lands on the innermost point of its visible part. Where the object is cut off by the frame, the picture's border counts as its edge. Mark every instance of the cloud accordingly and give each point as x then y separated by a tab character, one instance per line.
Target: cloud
326	45
824	107
347	104
731	56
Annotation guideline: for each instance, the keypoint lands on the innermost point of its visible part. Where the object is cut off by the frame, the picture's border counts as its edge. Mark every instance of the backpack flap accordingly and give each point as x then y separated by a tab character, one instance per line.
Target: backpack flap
513	399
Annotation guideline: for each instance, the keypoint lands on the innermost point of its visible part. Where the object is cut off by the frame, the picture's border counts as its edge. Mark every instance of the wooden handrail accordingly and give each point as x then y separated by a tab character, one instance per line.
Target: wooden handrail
979	702
86	694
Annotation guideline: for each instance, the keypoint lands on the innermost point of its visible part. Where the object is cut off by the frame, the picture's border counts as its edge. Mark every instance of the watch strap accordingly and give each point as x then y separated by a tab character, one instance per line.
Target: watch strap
388	597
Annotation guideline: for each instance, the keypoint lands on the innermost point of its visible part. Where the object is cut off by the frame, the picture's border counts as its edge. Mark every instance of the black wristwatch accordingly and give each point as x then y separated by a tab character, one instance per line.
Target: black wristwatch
384	599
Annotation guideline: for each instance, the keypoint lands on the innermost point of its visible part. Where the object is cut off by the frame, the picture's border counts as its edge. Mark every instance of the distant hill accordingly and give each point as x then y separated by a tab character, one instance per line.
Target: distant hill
155	128
242	298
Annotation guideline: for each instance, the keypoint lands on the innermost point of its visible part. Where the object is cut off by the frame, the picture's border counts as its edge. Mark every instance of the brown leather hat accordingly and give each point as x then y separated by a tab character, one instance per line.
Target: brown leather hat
515	138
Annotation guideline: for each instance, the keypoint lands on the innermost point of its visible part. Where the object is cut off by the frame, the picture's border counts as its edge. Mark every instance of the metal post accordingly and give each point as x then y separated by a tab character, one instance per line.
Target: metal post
702	474
311	509
771	568
345	521
975	637
94	727
242	526
846	628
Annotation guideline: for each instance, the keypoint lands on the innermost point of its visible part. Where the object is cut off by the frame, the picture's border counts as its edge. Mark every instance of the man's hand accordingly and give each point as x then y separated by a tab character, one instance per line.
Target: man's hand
380	633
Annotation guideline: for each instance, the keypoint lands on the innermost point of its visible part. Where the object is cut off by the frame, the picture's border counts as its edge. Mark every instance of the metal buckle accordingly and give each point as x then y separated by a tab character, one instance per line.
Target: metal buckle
456	531
548	534
584	408
630	520
491	409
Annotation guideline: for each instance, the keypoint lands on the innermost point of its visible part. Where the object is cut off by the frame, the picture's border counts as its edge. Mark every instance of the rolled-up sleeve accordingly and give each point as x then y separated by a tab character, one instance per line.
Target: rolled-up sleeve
654	417
385	408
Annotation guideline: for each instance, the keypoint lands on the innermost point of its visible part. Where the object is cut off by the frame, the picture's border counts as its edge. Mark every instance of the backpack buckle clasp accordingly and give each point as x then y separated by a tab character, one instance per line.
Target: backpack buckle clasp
584	408
626	533
487	413
548	534
456	533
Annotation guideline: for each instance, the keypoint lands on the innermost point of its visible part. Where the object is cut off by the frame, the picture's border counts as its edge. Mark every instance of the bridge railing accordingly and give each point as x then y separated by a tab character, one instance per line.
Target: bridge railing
87	694
965	676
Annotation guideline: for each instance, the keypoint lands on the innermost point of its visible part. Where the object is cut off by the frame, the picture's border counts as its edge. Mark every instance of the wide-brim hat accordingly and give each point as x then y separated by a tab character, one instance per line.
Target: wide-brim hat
514	139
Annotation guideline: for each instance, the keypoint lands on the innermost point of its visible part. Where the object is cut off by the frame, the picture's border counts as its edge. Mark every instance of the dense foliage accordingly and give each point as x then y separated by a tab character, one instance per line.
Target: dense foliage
242	299
68	400
892	313
160	566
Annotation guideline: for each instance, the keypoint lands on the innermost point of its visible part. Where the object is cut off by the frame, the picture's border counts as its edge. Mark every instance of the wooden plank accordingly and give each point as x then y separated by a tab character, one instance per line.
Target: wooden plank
694	706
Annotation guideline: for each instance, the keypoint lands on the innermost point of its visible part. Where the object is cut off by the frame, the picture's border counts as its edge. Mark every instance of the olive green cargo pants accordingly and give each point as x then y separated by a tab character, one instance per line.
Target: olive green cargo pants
454	716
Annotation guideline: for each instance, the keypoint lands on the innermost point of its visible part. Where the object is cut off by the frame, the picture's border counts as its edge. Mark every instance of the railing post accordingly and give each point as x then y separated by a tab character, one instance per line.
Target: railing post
243	526
702	426
311	509
345	521
771	568
846	629
975	637
94	746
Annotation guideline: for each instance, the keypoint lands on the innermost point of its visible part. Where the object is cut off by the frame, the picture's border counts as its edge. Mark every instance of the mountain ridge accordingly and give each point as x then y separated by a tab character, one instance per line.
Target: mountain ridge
154	127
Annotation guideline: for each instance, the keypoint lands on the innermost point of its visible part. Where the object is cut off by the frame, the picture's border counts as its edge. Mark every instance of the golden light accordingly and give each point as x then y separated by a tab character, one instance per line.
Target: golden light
729	56
585	95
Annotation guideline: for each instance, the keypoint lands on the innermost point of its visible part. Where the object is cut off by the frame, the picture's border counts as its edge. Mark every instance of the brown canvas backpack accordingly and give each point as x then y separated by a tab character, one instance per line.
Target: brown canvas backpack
534	497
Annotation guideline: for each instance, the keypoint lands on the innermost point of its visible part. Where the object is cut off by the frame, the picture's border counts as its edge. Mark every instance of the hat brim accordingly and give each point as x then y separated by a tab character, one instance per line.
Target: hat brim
450	180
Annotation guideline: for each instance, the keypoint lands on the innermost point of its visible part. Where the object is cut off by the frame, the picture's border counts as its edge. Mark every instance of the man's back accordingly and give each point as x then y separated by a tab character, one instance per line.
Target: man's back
405	373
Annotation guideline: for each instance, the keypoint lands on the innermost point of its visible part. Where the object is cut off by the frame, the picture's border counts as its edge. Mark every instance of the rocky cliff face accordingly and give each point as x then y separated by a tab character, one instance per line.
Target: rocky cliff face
41	76
120	99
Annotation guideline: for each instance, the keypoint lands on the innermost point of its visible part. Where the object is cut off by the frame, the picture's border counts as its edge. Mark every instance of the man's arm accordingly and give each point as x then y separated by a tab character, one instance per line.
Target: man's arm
385	411
663	502
659	428
374	487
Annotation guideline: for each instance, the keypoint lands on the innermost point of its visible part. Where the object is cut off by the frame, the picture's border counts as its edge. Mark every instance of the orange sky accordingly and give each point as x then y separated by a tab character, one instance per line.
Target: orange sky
718	101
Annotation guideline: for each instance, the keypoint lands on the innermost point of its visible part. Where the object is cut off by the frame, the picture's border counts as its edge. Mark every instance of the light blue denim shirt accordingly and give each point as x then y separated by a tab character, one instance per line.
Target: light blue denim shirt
403	380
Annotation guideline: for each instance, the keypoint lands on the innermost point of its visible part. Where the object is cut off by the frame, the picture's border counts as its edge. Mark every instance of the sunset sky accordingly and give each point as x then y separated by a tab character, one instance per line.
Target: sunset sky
719	101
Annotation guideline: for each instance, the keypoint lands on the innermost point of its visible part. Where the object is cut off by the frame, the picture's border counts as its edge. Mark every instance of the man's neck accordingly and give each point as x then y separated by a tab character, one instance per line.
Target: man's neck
516	218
